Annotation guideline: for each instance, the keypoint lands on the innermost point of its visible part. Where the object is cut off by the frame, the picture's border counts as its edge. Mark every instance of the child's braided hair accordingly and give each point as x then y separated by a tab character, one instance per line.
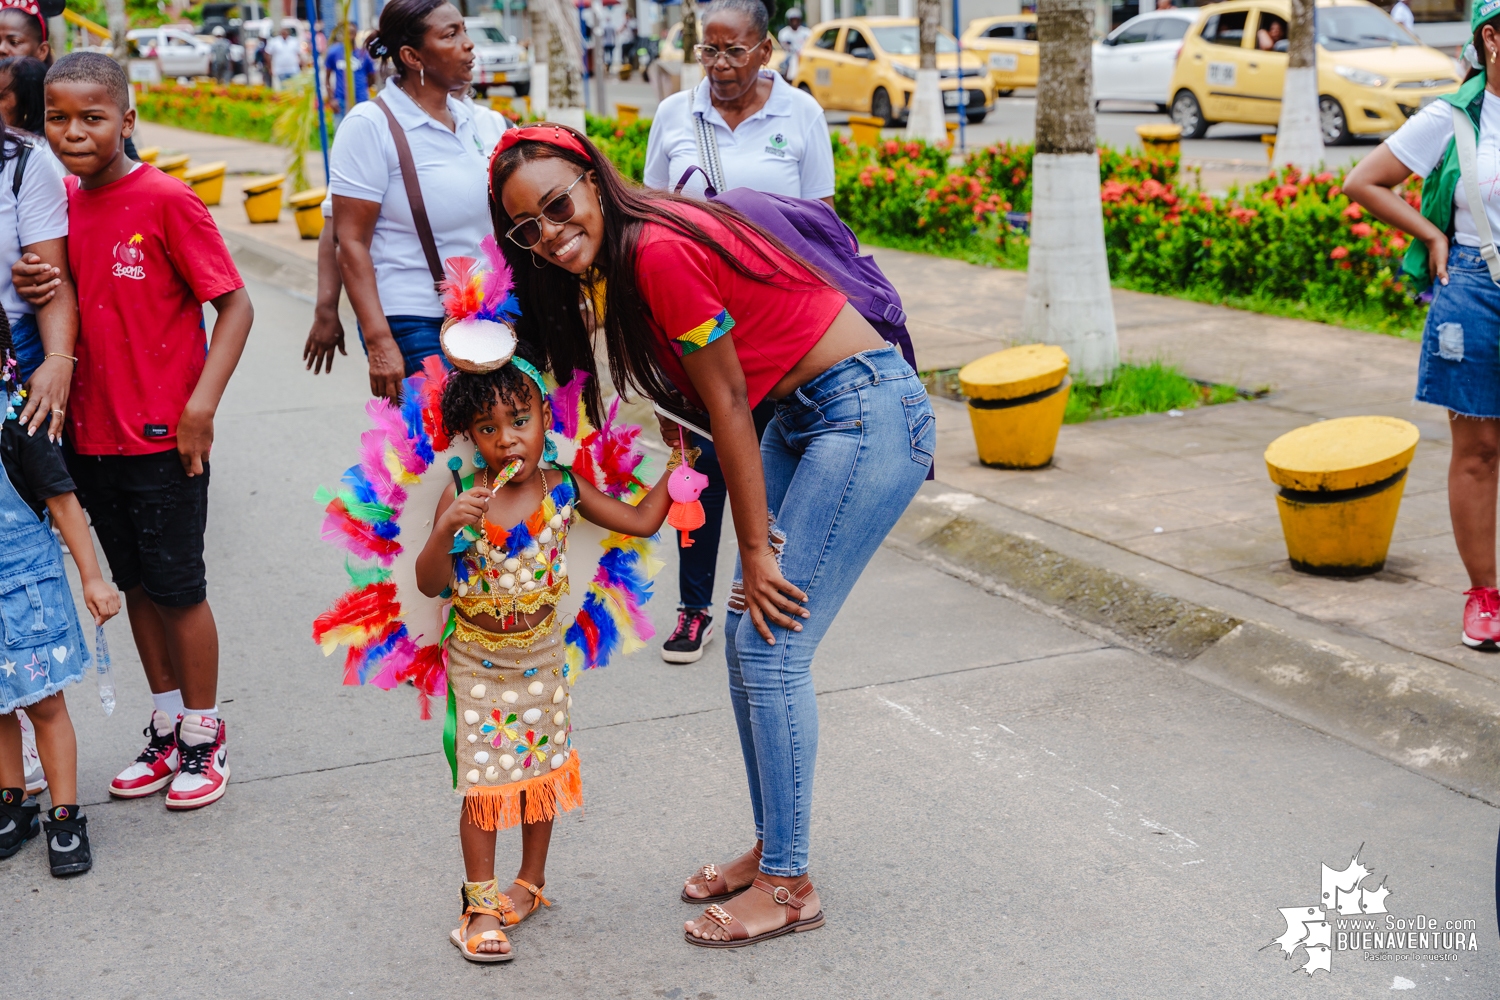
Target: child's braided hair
466	394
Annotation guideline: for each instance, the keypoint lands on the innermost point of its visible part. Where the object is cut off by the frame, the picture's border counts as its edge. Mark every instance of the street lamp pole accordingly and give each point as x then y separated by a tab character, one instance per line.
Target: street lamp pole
312	41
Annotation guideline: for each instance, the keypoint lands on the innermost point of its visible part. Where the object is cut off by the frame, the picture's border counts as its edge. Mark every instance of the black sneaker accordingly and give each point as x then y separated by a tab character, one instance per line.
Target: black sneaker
694	628
19	820
68	841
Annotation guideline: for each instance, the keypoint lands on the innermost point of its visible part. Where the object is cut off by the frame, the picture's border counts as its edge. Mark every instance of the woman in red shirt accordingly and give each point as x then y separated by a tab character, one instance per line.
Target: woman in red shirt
703	304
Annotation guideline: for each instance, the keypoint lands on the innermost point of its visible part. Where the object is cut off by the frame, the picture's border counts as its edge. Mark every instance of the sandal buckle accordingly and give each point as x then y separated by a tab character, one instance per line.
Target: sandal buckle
782	895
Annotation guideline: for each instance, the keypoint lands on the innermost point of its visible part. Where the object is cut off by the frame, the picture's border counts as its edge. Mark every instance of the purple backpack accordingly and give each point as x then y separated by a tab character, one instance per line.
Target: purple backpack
816	233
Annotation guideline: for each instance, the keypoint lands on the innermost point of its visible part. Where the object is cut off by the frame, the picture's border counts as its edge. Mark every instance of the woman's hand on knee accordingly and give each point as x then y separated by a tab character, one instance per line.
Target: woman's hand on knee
769	595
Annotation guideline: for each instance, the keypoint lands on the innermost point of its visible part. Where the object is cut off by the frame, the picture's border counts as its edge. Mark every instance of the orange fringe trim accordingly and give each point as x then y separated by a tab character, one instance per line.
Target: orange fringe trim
498	807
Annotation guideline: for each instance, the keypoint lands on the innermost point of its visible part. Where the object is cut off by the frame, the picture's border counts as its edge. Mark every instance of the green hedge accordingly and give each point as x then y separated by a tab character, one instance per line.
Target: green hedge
242	112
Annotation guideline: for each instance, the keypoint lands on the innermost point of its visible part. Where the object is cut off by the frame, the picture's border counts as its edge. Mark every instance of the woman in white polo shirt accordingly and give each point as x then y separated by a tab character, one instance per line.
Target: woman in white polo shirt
769	136
385	268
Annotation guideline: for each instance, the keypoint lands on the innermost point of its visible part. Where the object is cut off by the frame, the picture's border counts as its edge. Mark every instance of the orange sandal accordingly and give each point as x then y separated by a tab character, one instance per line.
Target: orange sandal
511	917
481	898
709	874
739	935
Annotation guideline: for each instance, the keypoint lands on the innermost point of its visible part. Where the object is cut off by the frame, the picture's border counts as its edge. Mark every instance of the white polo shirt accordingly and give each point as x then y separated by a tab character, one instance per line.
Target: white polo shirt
453	172
781	149
39	213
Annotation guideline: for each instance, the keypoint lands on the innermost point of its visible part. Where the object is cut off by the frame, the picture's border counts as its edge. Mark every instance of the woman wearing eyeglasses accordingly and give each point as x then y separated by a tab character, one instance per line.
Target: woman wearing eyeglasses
385	267
705	304
766	135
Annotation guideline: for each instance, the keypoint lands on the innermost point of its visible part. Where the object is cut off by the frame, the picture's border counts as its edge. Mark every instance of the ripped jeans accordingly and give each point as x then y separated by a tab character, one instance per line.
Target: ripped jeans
1460	366
843	457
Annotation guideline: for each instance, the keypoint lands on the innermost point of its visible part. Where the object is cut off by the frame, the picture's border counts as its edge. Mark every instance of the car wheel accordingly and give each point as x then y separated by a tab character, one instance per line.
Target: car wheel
880	107
976	117
1188	115
1335	124
805	89
1161	109
1004	93
522	89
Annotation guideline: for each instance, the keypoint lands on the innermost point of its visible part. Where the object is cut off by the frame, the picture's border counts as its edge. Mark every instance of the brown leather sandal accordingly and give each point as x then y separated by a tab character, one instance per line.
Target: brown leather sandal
709	875
481	898
512	917
739	935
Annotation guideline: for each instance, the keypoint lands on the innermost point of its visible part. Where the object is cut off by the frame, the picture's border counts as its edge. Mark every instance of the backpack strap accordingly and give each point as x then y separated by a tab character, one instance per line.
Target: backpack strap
15	183
1468	171
708	185
414	195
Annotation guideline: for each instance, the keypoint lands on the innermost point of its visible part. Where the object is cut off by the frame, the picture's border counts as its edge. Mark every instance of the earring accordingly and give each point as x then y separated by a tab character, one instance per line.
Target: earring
478	459
549	448
540	267
421	76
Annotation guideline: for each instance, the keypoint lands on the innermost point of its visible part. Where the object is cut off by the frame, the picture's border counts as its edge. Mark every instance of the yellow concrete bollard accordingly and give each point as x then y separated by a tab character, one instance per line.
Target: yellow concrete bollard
1161	140
307	209
1016	403
149	154
865	129
1269	140
208	181
627	114
176	165
1341	484
263	198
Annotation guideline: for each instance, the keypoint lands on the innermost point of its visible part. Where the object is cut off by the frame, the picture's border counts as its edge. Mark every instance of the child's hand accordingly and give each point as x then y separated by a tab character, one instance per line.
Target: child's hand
102	600
35	281
467	508
195	437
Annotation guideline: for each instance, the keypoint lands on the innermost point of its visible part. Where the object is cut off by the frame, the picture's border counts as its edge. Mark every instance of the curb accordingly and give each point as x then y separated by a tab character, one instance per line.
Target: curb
293	274
1424	715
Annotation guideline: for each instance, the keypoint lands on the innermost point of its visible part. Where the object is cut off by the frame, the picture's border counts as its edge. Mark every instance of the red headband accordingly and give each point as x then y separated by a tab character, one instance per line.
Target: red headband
27	7
552	135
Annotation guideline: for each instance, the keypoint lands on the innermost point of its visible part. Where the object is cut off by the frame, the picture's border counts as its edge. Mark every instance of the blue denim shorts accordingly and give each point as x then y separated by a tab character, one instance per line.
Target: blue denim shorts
1460	367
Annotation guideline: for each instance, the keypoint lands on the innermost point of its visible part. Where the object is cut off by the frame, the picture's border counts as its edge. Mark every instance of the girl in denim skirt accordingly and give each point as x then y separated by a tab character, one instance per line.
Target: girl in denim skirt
43	649
1454	253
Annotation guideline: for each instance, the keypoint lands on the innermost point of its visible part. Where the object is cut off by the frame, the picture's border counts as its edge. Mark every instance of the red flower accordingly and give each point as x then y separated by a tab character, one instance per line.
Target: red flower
1353	211
1338	253
1208	242
1361	229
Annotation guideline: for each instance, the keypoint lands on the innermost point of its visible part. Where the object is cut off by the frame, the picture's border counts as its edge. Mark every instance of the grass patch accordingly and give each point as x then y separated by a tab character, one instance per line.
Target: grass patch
1154	387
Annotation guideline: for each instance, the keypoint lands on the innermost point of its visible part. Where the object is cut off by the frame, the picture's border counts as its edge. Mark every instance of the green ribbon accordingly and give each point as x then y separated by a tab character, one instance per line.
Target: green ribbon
450	725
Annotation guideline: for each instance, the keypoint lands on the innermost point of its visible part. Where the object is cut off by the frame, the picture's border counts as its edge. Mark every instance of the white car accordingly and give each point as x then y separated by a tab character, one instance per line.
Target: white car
1135	61
497	57
177	52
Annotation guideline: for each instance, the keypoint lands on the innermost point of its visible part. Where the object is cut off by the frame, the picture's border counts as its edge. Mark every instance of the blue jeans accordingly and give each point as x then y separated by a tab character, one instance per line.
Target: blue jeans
26	345
1460	365
843	457
416	337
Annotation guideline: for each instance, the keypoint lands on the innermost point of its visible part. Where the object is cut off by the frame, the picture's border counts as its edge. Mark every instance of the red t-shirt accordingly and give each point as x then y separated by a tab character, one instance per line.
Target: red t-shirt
693	297
145	256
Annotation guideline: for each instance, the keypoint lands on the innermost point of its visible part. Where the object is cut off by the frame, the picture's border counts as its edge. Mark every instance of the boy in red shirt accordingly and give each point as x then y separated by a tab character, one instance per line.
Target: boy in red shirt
145	255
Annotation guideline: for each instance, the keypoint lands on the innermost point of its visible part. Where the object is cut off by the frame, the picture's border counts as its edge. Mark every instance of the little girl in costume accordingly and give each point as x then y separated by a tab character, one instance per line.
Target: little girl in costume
42	650
500	549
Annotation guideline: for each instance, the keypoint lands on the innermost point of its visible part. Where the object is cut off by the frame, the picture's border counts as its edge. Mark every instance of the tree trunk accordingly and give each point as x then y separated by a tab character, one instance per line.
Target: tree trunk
119	24
562	59
600	72
1067	281
924	119
1299	132
692	69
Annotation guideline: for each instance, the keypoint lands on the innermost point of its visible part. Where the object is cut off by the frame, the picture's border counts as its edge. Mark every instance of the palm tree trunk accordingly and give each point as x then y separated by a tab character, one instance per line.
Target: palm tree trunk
692	69
1067	281
118	25
924	119
1299	132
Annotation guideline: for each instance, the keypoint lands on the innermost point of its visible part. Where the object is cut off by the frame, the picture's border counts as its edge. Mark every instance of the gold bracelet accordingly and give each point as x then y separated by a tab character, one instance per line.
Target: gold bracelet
59	354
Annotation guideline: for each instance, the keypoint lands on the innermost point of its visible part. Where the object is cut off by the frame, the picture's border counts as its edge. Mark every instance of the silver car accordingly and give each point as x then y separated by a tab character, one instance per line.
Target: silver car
497	58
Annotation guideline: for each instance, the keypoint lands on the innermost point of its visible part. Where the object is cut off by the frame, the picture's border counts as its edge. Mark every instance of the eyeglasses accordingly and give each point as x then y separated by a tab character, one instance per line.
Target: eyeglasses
735	55
527	233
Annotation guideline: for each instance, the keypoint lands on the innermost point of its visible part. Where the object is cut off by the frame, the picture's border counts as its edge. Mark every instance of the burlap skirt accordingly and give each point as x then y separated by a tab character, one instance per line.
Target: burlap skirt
510	725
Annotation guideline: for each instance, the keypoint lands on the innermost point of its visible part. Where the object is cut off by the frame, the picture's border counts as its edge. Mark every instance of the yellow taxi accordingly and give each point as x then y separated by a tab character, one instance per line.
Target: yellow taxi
869	65
1008	46
670	52
1372	74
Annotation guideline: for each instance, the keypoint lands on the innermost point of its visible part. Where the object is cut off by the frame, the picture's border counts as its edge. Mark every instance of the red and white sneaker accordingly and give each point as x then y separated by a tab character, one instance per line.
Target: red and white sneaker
1482	618
205	763
156	765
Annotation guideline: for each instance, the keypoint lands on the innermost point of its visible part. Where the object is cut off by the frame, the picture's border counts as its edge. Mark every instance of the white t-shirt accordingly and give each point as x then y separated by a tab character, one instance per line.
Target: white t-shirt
453	170
40	213
286	55
792	39
1419	145
1402	15
781	149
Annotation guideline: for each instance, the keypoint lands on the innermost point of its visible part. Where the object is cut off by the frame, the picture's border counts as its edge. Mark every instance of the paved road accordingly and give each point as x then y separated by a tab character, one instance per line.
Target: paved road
1006	805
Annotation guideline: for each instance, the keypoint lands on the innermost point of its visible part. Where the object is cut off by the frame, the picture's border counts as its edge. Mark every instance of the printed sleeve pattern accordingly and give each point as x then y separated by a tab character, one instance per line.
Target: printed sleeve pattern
703	334
679	282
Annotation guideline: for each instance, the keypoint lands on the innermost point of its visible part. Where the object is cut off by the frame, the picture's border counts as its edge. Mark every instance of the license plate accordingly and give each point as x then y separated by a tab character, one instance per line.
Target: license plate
497	78
955	98
823	76
1003	63
1221	74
